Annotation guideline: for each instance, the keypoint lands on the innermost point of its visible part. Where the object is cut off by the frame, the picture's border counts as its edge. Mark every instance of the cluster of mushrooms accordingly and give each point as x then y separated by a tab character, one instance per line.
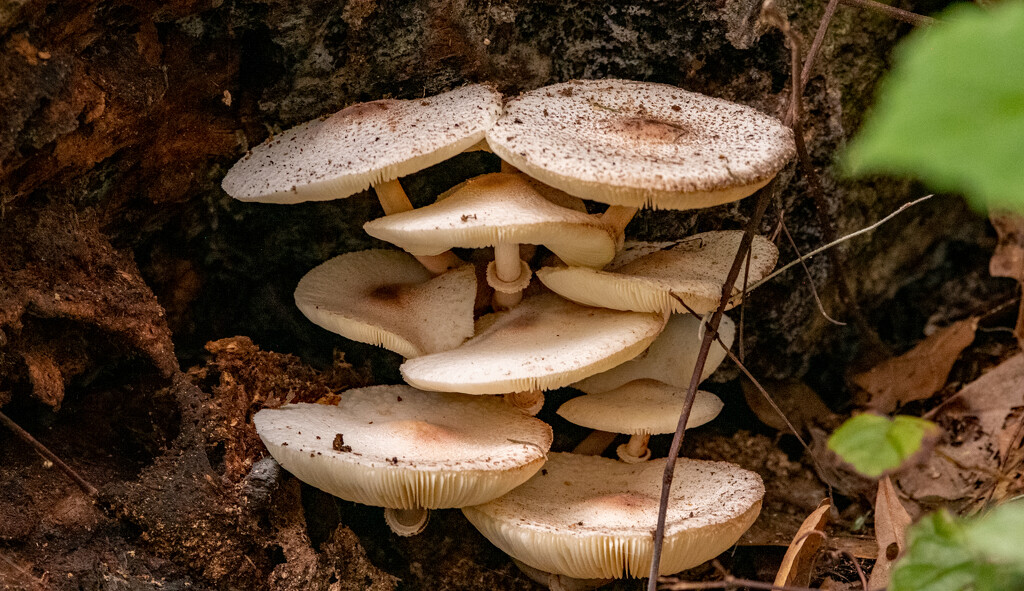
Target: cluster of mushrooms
607	316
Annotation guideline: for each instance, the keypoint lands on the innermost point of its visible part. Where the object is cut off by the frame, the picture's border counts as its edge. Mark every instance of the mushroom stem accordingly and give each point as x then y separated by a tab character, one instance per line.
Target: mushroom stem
529	402
406	522
595	443
617	217
508	268
635	450
393	199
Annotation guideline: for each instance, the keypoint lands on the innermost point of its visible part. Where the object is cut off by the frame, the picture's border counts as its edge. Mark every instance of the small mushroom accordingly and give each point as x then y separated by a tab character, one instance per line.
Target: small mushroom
543	343
386	298
406	450
502	210
639	144
693	270
670	358
368	144
590	517
640	408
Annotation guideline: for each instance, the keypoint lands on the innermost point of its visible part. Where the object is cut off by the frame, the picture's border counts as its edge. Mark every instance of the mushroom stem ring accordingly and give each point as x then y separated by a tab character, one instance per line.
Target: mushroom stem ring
406	522
393	199
635	450
529	402
508	275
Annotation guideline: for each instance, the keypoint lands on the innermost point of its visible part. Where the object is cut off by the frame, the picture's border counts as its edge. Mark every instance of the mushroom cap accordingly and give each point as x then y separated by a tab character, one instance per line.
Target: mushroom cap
694	270
493	208
640	407
641	144
592	517
366	144
670	359
387	298
543	343
398	447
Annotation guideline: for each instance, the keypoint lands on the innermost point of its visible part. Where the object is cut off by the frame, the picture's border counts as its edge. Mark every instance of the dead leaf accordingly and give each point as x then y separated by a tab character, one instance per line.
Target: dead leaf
801	405
918	373
891	523
1008	258
796	565
965	463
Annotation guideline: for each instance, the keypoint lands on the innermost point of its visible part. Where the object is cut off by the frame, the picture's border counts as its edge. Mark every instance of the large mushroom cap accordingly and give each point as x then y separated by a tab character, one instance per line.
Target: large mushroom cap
363	145
670	358
387	298
398	447
493	208
543	343
591	517
640	407
694	270
641	144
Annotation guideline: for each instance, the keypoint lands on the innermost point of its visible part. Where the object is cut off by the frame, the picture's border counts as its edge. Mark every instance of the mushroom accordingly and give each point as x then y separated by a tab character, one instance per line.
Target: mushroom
639	144
543	343
368	144
502	210
590	517
406	450
693	270
640	408
670	358
386	298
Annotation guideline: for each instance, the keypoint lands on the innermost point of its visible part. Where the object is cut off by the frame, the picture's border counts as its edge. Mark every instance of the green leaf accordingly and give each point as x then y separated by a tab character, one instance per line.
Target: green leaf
949	554
875	444
951	110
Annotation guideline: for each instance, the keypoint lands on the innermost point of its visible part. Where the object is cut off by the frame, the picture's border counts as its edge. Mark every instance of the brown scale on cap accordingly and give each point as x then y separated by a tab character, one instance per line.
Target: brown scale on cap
363	145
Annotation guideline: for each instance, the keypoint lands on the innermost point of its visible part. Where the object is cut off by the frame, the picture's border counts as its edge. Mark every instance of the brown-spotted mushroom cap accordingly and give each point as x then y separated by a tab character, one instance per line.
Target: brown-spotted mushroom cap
543	343
366	144
640	407
398	447
639	144
670	358
386	298
495	208
592	517
694	270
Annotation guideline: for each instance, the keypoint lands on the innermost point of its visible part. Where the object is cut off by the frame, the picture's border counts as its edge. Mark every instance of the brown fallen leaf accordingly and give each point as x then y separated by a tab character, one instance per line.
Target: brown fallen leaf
918	373
796	565
801	405
891	523
1008	258
979	422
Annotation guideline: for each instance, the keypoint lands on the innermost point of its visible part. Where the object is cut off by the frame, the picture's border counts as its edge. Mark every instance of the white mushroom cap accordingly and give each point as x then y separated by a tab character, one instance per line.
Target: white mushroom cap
640	407
363	145
694	270
592	517
493	208
639	144
387	298
398	447
543	343
670	358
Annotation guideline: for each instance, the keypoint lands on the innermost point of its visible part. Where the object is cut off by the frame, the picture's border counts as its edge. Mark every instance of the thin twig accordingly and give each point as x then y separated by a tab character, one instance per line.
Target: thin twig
901	15
812	53
753	223
46	453
729	582
810	278
856	565
822	249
